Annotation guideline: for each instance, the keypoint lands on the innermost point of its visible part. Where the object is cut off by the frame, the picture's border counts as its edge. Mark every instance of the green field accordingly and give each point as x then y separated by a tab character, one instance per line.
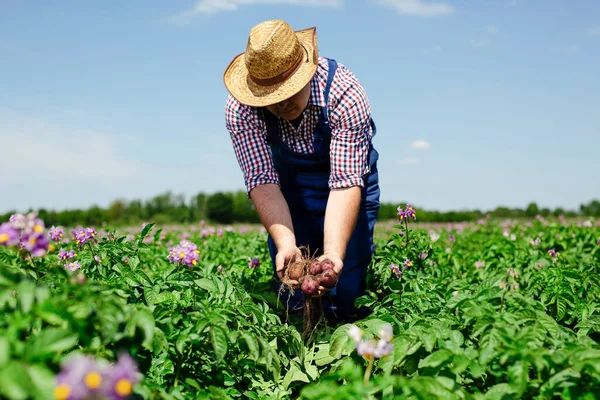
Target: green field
488	310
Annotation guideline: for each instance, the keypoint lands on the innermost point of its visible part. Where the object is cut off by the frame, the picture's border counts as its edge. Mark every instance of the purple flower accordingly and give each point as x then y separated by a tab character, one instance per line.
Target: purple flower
9	235
407	264
551	252
66	255
73	266
80	378
56	233
401	213
26	231
479	264
27	224
83	236
121	378
452	238
396	269
410	212
423	256
253	263
36	244
185	252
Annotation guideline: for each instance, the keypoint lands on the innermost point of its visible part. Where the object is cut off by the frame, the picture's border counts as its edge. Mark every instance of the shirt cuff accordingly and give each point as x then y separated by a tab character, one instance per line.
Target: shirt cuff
346	182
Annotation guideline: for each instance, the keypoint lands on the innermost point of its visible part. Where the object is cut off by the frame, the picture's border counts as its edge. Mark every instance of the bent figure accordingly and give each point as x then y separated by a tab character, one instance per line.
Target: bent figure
302	133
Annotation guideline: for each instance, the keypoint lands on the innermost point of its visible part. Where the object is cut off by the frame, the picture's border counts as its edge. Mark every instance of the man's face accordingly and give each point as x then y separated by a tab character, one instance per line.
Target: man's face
292	107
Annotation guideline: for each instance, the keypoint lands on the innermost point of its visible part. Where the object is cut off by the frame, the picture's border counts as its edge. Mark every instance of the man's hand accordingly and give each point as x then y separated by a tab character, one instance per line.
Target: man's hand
335	258
338	264
285	257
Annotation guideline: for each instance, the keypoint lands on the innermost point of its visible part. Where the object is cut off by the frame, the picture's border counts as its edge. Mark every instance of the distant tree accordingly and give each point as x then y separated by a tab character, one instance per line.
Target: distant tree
532	210
116	211
243	208
219	207
592	209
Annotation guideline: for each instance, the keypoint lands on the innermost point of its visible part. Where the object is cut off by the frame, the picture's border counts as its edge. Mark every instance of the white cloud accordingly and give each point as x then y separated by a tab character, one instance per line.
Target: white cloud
480	43
594	32
492	29
215	6
419	144
408	161
417	7
431	50
40	151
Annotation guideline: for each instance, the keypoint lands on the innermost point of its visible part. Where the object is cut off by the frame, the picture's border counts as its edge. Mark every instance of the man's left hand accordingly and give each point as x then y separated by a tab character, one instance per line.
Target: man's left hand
338	265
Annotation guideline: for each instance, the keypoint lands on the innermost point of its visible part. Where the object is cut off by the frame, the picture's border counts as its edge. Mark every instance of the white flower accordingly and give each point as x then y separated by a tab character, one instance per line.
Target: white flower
354	333
383	348
365	349
386	333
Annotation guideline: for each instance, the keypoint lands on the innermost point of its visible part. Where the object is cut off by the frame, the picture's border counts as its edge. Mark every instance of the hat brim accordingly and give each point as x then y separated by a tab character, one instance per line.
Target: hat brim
244	90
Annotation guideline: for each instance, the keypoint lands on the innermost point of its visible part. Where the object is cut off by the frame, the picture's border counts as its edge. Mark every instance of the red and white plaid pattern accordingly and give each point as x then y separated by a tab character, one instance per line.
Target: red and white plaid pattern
349	119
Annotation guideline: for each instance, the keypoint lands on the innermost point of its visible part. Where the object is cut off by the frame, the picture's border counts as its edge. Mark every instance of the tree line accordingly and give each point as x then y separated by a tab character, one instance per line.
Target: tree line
235	207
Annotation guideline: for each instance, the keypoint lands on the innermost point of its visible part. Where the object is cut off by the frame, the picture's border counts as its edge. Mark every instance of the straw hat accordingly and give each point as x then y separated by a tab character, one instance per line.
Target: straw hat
277	64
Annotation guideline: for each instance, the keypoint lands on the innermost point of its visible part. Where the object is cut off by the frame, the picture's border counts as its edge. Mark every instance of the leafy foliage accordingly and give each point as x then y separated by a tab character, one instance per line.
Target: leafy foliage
488	313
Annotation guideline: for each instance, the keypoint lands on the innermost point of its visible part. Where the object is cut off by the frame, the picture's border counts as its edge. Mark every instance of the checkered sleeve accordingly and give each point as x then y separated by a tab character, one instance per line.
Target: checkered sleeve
248	135
350	120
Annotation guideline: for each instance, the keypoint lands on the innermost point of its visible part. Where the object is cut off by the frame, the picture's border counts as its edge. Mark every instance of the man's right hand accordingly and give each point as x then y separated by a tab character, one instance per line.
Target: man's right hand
285	257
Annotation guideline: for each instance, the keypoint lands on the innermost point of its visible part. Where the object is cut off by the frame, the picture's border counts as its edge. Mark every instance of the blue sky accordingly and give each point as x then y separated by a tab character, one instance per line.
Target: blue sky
477	104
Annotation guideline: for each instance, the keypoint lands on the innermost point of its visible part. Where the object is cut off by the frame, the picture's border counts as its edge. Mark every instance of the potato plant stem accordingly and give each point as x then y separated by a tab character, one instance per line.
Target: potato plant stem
368	371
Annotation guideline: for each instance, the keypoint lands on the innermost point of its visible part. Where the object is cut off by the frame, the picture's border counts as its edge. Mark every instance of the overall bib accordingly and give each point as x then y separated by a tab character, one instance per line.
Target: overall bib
304	185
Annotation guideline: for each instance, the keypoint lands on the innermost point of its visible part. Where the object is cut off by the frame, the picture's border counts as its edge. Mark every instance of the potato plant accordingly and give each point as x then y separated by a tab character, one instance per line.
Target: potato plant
490	310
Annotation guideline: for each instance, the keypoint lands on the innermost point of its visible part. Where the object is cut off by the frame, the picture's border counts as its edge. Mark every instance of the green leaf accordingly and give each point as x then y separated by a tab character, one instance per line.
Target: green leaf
435	359
460	363
49	342
341	343
518	374
15	382
218	338
375	326
501	391
43	379
146	230
547	322
294	374
253	347
4	350
429	339
144	319
457	338
322	356
26	294
206	284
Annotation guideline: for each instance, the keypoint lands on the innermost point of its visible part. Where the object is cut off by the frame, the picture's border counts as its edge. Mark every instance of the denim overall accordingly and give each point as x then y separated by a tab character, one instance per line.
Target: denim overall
304	185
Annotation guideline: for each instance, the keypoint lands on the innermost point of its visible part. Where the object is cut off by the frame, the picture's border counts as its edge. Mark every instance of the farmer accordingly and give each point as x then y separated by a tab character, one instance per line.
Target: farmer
301	130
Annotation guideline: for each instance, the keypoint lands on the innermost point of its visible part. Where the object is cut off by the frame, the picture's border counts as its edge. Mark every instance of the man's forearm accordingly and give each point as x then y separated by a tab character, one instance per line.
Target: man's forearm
340	219
274	214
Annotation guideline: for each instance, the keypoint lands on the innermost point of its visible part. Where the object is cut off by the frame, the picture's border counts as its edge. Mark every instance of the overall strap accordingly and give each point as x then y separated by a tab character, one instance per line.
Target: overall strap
272	127
330	74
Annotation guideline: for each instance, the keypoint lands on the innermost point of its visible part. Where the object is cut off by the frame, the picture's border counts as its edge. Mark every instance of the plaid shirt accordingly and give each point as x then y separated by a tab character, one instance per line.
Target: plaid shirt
349	119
